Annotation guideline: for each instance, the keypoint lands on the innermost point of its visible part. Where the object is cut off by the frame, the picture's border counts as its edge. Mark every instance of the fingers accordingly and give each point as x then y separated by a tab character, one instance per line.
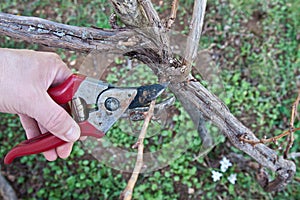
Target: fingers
82	138
63	151
50	155
30	126
56	120
32	130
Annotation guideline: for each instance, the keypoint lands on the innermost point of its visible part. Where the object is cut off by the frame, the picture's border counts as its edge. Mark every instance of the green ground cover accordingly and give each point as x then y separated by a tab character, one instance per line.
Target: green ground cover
254	44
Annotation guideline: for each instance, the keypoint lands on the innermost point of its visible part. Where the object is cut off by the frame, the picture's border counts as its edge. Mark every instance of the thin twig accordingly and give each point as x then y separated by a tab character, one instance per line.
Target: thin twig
127	193
172	14
113	21
194	34
289	133
266	140
291	136
293	155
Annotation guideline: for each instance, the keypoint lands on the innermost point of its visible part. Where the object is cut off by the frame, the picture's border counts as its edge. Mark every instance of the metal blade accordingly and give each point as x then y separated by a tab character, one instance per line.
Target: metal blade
137	114
145	94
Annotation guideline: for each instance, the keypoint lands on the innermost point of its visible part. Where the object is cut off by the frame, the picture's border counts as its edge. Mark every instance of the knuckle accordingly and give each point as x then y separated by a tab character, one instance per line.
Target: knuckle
53	55
53	58
56	57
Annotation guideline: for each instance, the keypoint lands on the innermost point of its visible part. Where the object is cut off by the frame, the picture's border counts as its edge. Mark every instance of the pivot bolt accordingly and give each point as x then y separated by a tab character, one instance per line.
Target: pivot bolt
112	104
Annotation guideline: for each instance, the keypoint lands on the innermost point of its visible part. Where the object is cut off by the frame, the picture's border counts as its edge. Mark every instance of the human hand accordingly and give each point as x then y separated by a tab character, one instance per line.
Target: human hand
25	77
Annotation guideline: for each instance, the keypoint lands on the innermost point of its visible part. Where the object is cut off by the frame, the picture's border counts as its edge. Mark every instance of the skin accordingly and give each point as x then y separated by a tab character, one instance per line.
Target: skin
25	77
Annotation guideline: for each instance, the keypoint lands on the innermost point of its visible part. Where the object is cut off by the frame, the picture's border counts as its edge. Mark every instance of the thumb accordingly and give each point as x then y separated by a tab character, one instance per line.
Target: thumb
55	119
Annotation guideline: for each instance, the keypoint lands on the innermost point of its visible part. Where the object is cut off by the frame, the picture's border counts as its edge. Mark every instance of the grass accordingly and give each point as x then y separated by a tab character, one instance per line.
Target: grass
257	51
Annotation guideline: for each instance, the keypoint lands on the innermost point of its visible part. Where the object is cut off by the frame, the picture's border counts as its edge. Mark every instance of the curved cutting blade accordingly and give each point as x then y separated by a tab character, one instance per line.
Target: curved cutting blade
145	94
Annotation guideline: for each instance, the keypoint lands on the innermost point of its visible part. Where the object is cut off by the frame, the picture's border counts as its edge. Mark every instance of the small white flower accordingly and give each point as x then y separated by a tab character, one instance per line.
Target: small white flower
225	164
191	191
216	176
232	178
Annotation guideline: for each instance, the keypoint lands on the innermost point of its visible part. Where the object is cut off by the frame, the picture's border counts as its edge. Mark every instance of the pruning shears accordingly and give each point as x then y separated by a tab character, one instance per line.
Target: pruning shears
95	106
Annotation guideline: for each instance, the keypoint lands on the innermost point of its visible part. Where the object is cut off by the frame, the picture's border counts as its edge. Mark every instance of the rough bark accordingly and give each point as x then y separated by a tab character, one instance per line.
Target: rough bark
83	39
188	92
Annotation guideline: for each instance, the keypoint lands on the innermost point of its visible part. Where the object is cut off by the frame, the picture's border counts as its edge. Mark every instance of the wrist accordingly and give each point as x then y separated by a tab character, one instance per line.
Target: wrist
2	58
6	88
2	75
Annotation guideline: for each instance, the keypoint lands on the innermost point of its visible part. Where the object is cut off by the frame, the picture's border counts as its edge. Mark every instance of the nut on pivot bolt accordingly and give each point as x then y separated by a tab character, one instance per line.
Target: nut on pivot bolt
112	104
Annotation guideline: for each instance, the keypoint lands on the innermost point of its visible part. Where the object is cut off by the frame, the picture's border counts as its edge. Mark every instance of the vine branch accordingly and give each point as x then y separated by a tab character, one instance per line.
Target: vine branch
192	93
274	139
127	193
194	34
289	133
172	16
57	35
291	137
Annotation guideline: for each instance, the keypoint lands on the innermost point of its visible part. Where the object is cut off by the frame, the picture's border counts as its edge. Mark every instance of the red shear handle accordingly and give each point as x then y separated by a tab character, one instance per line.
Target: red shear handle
64	92
34	145
61	94
47	141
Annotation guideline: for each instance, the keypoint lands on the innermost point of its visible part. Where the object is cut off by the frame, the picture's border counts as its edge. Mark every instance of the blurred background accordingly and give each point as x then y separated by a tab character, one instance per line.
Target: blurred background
255	47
